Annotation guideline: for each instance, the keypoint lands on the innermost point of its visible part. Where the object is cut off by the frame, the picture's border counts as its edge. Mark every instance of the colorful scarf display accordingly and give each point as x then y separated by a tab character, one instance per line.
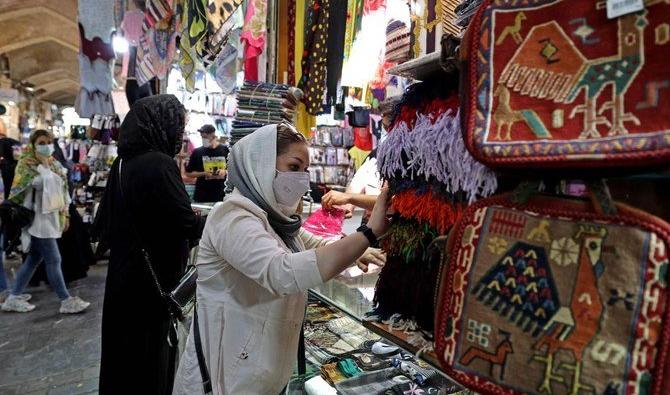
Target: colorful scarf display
313	81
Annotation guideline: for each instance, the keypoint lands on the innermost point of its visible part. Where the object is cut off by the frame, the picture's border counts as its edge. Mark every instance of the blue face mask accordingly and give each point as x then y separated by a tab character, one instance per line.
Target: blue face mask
44	150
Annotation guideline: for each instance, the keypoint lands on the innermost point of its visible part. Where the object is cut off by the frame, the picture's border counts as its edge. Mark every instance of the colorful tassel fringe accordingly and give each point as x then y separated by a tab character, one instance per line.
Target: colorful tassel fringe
435	148
425	207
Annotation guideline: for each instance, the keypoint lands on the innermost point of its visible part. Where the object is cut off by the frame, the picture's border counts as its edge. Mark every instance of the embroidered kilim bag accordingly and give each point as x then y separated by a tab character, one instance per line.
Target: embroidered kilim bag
555	83
551	296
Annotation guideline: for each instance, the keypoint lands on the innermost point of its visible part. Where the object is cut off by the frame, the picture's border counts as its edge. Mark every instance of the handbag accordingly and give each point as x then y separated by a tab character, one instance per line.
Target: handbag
359	117
555	295
179	300
557	84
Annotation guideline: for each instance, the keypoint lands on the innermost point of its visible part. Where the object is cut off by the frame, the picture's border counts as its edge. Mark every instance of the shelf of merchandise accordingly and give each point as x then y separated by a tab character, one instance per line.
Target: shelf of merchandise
346	298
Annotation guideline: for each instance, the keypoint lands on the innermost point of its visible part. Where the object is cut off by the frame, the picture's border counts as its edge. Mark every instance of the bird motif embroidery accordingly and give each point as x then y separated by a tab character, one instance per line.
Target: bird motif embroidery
549	66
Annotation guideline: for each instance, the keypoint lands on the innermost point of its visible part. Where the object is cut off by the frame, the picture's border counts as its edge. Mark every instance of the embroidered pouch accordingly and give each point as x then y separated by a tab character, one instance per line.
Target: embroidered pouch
555	83
551	297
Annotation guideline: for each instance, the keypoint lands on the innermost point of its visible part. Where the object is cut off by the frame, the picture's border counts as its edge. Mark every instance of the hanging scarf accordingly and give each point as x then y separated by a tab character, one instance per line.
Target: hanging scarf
26	172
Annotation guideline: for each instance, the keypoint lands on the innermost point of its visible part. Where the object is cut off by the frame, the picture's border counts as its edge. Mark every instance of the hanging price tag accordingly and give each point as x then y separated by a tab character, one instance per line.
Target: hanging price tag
616	8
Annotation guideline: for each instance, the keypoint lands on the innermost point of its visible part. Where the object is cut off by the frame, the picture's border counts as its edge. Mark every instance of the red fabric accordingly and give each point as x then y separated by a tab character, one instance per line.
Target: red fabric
363	138
439	213
251	69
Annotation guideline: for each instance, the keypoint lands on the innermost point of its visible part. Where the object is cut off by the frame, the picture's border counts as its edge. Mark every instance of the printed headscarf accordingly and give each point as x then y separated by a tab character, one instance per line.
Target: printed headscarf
154	123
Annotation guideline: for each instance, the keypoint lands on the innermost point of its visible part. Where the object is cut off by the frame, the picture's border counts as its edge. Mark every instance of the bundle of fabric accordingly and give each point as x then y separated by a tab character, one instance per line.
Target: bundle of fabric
432	178
465	11
397	42
96	58
260	104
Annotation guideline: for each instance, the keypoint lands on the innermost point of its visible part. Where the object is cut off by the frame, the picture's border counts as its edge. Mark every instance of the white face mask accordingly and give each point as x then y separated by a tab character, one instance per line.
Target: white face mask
44	150
289	187
206	143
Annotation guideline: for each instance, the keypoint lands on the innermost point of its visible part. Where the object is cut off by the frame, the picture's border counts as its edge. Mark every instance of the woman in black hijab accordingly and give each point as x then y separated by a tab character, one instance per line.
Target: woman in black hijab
145	205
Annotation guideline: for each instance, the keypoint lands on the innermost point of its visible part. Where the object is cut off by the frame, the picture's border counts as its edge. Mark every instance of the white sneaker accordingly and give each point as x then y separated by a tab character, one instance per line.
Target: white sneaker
73	305
18	305
5	294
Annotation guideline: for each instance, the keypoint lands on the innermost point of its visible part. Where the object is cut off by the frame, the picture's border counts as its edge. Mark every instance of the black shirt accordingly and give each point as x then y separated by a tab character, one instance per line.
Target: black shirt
207	191
7	152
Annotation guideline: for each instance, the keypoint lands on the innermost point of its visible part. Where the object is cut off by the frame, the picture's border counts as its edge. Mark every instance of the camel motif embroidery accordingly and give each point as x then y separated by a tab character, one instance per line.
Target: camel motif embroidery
513	30
549	66
499	357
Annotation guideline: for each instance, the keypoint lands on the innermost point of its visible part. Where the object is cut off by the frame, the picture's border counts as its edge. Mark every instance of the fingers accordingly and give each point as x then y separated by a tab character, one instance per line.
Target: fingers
363	266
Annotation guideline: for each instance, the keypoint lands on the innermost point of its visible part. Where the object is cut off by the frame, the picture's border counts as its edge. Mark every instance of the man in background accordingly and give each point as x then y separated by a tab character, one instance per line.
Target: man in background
10	149
207	164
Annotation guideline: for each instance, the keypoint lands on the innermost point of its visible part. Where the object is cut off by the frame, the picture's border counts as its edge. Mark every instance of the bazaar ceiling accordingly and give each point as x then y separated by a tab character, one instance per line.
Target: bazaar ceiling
41	40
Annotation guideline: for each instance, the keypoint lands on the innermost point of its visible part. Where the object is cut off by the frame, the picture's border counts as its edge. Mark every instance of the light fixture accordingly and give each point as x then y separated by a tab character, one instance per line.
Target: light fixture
30	89
11	103
120	44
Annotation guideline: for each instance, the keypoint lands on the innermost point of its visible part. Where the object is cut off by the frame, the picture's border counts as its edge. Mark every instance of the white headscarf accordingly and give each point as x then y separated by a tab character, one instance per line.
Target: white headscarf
252	166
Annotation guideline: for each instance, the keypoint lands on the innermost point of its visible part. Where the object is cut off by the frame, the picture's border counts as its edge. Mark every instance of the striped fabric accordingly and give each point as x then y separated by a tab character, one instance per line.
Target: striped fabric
448	15
157	10
397	42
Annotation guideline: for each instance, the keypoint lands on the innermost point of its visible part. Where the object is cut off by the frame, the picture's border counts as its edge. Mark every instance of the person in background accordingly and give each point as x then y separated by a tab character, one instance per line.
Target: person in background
362	190
9	152
41	185
210	185
145	207
255	265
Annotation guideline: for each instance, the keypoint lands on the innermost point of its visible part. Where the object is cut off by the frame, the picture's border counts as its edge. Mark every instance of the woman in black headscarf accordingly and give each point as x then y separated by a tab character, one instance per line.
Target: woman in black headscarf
145	206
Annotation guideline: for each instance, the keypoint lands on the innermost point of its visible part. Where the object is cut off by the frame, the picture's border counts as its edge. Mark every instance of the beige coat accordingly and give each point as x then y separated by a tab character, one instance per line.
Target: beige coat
251	303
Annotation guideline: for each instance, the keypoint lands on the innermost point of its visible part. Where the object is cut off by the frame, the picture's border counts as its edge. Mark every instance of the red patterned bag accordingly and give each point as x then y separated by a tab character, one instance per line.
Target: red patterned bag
551	296
555	83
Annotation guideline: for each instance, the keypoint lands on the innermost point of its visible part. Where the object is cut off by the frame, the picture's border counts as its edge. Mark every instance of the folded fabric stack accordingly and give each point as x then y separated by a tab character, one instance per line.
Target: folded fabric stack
260	104
465	11
432	178
398	39
96	58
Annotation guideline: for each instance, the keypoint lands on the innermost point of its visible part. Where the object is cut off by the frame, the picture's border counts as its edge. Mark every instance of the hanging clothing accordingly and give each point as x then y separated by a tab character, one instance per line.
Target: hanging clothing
358	156
253	36
96	75
337	24
313	81
132	26
354	22
152	186
299	37
97	19
95	48
219	11
89	103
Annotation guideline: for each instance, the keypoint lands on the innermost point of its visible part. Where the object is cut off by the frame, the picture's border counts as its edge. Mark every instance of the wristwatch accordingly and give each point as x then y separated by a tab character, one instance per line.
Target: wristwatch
368	233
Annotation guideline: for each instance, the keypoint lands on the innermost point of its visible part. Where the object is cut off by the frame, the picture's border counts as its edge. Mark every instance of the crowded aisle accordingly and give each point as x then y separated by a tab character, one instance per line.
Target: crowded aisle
450	197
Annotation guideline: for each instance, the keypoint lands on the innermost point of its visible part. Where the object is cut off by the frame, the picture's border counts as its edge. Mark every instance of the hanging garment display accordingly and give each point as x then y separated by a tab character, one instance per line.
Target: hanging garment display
225	65
335	42
313	81
354	23
95	75
253	37
97	19
132	26
95	48
156	12
567	87
291	44
219	11
540	293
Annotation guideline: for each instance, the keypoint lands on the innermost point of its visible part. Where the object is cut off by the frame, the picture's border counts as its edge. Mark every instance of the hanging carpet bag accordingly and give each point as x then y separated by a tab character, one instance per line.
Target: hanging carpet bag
553	295
558	84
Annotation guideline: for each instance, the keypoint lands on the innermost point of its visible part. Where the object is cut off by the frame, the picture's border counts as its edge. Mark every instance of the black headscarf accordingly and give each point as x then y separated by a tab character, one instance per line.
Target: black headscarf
154	123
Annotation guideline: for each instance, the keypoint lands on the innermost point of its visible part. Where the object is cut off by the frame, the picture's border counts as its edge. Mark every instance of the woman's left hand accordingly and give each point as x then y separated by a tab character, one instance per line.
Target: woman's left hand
373	256
66	225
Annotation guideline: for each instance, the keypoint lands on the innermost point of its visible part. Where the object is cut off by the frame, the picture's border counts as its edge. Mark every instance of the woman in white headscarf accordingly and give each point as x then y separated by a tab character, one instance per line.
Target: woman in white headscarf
255	265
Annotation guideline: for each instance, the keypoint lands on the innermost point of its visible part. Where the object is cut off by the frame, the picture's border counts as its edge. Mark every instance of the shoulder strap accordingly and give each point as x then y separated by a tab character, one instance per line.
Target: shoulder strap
143	250
204	372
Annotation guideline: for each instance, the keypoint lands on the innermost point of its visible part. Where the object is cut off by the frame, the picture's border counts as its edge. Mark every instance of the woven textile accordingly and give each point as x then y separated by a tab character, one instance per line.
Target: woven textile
550	296
558	84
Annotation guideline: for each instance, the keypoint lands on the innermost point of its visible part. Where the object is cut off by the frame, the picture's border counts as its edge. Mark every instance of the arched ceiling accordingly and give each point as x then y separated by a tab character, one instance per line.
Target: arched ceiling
41	40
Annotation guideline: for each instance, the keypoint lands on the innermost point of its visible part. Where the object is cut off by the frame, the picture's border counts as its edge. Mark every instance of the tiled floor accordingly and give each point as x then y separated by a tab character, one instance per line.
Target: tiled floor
45	352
